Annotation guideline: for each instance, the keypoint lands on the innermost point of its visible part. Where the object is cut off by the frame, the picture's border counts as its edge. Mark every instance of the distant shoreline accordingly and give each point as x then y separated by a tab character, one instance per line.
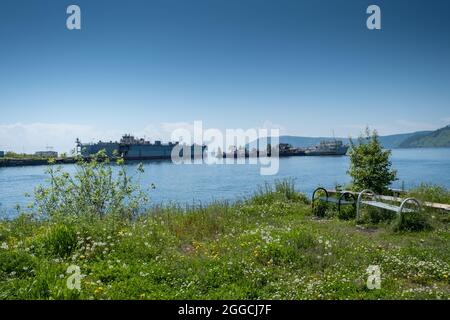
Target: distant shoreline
26	162
13	162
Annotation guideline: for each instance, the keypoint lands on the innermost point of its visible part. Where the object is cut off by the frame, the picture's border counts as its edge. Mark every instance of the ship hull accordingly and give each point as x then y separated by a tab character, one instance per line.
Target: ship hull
136	152
338	152
292	154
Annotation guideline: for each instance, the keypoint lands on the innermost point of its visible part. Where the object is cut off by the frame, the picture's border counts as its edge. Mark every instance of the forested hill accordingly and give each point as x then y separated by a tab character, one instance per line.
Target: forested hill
388	142
435	139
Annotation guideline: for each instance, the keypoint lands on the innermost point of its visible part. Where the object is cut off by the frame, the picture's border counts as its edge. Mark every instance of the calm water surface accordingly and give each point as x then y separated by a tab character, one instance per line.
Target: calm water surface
204	183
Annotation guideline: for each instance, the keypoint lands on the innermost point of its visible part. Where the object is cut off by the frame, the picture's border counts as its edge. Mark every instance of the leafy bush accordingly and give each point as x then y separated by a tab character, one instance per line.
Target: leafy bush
61	241
347	212
321	208
412	221
373	215
370	167
92	191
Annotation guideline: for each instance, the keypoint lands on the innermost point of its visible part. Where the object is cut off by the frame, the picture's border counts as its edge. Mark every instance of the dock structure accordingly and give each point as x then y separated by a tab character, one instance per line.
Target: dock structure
17	162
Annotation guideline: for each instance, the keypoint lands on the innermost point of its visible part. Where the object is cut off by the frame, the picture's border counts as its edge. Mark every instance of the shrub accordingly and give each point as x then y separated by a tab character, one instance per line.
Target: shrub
60	241
412	221
373	215
347	213
370	167
92	191
321	208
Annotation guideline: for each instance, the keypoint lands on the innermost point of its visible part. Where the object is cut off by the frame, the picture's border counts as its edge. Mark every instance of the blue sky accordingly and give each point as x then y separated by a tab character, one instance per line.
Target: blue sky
146	67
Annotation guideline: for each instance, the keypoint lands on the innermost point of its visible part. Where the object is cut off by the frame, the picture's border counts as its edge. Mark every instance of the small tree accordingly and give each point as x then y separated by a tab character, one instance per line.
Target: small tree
94	190
370	167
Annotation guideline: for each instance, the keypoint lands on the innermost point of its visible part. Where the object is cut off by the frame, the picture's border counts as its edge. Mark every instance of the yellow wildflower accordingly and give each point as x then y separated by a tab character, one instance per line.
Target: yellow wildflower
98	290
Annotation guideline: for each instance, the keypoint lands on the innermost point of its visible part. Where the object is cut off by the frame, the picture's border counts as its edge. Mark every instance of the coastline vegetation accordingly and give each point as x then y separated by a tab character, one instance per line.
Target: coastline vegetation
269	246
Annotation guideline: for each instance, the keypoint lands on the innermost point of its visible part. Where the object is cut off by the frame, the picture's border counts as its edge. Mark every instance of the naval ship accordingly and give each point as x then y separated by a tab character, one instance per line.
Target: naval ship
328	148
131	148
325	148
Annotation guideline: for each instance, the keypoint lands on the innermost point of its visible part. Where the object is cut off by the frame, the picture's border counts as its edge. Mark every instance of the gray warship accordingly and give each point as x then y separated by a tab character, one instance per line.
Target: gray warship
131	148
328	148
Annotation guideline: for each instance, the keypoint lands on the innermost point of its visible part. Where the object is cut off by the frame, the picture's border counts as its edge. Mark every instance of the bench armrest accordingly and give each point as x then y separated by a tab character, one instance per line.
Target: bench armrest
358	202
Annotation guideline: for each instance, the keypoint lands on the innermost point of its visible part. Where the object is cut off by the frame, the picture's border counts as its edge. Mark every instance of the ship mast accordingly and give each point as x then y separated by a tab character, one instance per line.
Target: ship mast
78	147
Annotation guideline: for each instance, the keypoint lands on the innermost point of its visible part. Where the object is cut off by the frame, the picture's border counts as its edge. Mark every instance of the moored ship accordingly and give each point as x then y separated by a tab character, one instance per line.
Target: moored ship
131	148
328	148
287	150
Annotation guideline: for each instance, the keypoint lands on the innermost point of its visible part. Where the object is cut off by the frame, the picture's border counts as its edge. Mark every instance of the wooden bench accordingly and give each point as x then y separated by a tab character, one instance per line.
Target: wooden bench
345	198
376	202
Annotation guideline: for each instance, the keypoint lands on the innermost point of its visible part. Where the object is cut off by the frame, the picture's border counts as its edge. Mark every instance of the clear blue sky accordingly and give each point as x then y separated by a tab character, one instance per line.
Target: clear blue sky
309	67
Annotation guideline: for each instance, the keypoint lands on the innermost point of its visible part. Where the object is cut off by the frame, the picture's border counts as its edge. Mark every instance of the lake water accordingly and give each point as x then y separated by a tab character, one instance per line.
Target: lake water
204	183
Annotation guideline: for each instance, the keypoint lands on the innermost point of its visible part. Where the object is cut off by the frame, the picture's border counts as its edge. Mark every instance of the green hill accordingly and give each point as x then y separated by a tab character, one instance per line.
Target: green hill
388	142
435	139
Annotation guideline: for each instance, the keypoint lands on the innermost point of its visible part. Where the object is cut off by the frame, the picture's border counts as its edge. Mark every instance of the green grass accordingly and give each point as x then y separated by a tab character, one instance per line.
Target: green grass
431	193
267	247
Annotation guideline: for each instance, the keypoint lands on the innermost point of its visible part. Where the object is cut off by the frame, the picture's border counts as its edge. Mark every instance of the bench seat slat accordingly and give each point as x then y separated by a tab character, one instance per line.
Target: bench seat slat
386	206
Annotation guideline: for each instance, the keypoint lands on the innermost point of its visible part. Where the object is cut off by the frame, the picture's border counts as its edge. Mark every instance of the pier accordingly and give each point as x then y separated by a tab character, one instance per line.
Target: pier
21	162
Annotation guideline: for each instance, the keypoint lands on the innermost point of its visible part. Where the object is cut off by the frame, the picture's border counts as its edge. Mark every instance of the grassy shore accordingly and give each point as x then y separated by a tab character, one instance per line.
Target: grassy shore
267	247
